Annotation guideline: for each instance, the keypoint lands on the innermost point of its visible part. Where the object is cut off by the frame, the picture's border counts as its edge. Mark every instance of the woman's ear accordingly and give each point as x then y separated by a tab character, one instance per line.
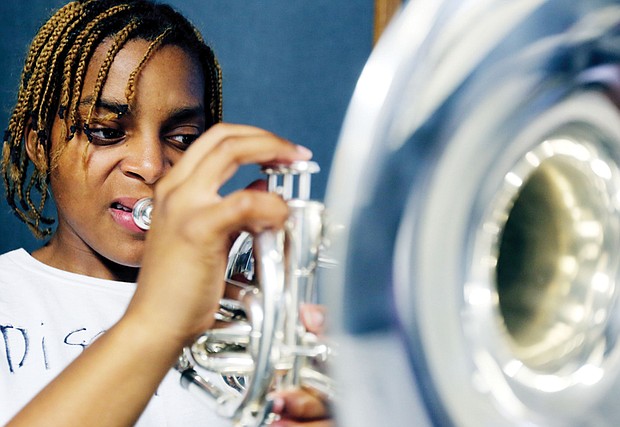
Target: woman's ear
35	150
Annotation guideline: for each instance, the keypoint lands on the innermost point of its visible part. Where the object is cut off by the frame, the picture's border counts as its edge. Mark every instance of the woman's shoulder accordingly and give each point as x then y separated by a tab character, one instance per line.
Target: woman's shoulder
16	259
20	266
26	281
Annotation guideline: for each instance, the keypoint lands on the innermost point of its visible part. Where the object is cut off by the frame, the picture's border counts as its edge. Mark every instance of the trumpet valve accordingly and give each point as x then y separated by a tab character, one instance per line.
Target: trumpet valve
281	179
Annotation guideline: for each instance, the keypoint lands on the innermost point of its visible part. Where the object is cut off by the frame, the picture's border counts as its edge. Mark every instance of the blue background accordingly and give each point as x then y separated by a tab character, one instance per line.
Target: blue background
289	66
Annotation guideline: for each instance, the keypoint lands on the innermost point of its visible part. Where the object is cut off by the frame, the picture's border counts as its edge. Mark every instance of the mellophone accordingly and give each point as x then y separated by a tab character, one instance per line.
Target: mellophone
262	345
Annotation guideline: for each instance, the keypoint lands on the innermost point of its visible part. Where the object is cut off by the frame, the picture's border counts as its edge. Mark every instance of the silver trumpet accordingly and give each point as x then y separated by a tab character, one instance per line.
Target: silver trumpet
262	345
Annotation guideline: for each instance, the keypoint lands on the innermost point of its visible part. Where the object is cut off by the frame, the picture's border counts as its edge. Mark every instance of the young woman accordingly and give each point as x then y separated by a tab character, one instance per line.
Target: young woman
120	100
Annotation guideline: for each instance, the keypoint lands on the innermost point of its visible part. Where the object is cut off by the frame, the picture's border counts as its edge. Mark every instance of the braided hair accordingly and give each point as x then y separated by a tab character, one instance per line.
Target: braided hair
52	81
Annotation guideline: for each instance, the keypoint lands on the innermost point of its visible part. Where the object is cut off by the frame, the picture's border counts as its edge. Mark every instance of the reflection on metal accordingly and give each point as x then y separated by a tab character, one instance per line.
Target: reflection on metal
552	269
478	181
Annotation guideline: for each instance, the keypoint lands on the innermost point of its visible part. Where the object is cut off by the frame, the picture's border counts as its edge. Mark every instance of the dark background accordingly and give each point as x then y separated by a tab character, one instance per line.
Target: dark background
289	66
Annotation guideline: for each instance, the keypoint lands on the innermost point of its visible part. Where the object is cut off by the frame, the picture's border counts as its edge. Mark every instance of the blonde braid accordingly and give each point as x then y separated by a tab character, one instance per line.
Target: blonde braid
117	44
51	84
44	33
131	82
68	104
43	64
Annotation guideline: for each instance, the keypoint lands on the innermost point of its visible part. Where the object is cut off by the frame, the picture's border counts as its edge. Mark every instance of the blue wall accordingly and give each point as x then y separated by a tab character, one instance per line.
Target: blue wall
289	66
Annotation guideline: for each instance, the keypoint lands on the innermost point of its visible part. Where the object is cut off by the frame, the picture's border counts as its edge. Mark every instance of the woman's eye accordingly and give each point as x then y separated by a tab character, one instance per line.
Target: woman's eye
183	141
105	136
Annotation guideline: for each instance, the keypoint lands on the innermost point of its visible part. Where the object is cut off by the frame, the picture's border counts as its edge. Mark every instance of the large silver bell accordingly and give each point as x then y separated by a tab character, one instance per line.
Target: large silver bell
477	178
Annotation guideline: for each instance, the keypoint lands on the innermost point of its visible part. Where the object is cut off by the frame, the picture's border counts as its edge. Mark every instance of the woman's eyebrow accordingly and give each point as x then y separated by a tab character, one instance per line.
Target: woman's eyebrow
181	115
118	107
186	113
122	108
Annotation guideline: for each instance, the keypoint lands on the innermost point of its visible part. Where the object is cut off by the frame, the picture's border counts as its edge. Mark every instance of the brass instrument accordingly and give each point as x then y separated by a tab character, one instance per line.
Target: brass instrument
263	345
477	175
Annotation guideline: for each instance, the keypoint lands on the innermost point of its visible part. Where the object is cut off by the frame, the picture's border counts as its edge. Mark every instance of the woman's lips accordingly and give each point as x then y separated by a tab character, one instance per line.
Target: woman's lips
121	211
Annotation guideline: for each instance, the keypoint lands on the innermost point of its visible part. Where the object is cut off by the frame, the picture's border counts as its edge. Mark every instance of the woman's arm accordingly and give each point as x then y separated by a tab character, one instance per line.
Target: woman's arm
110	383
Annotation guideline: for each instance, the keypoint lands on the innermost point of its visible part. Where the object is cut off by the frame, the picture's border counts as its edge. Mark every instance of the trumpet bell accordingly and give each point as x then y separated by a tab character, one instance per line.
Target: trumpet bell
478	179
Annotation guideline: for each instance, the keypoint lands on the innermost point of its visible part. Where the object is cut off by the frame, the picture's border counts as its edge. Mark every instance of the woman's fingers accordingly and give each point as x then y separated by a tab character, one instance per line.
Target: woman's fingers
298	407
225	158
205	143
207	222
258	185
193	185
291	423
190	189
313	317
217	154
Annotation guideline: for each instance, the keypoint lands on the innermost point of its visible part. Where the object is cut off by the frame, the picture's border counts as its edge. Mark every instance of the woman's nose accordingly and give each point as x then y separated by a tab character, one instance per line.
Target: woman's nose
145	159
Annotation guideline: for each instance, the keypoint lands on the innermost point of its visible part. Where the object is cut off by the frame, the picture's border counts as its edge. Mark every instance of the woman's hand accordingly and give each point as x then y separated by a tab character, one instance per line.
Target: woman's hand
301	408
182	274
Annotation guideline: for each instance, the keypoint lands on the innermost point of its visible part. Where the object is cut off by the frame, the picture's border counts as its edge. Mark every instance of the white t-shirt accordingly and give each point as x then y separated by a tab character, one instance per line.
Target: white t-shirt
48	316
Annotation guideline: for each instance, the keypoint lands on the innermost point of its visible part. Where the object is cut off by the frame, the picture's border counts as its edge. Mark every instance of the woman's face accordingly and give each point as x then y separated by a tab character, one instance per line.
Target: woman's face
95	185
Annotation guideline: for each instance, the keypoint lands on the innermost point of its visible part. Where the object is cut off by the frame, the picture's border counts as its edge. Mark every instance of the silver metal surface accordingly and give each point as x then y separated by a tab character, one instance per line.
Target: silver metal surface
477	179
141	213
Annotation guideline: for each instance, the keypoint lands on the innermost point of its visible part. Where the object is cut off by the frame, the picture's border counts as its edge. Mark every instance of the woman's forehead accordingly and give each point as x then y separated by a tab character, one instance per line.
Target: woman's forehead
169	68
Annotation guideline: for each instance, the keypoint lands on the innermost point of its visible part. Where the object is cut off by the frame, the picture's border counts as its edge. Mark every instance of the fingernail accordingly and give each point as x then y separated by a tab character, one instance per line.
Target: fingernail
305	152
277	404
313	318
